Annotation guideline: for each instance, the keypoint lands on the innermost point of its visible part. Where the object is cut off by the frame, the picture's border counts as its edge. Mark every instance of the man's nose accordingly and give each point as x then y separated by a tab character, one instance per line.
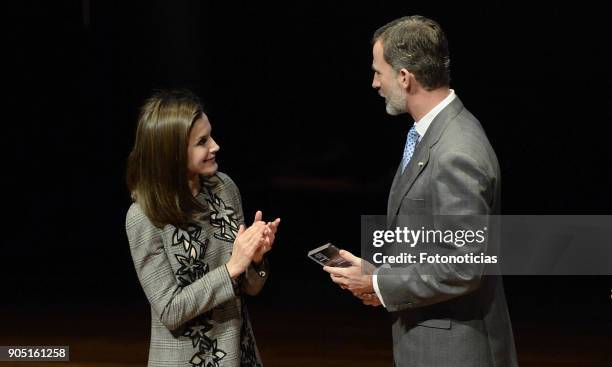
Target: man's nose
375	82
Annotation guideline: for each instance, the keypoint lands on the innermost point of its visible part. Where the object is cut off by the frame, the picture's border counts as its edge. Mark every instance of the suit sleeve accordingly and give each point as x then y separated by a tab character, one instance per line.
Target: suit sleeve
252	280
173	304
459	194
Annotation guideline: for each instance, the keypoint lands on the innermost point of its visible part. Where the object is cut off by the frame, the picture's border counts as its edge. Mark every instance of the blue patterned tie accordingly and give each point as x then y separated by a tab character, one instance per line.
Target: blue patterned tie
413	137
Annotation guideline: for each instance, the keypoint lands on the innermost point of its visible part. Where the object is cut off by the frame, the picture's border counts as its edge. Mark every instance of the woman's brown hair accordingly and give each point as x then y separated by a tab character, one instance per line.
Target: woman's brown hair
157	165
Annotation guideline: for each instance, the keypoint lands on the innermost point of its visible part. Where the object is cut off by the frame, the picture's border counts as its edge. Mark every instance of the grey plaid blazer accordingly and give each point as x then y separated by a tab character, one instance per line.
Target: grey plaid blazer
198	317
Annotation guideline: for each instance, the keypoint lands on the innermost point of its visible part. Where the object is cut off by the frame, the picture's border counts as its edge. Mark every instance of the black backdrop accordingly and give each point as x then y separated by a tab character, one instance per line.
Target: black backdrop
287	89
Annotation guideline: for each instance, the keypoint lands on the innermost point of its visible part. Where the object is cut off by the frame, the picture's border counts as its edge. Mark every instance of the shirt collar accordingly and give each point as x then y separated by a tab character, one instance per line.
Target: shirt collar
422	125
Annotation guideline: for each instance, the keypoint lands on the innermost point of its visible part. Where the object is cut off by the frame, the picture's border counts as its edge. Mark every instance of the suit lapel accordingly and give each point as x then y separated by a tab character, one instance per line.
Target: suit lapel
392	192
418	162
413	169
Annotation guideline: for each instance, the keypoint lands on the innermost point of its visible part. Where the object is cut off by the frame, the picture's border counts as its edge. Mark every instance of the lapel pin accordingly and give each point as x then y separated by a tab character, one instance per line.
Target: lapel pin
421	164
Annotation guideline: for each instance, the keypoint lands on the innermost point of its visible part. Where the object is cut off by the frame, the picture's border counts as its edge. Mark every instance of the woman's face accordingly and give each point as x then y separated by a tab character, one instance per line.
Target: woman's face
201	149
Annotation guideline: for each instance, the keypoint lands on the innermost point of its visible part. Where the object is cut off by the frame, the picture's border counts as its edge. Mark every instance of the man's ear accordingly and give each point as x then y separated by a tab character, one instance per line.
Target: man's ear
405	78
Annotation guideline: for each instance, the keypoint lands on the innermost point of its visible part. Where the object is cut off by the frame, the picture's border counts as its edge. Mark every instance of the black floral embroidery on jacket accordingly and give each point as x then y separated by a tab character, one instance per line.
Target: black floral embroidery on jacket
208	356
192	265
192	268
248	353
224	217
196	330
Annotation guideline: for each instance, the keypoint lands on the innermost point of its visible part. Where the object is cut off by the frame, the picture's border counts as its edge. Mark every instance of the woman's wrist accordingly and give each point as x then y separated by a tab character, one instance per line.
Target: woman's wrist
257	263
233	271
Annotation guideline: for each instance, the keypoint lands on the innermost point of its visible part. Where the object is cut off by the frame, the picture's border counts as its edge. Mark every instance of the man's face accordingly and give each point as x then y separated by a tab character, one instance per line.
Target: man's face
387	83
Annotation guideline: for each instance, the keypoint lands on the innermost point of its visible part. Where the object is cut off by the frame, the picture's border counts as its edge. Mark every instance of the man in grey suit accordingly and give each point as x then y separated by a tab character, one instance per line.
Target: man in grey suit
443	314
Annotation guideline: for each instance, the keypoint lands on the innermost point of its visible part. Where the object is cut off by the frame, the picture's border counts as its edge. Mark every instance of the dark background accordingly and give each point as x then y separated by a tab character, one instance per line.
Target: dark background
287	90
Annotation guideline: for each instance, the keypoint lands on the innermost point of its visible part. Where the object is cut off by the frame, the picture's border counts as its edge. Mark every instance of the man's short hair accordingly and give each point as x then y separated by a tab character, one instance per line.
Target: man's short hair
419	45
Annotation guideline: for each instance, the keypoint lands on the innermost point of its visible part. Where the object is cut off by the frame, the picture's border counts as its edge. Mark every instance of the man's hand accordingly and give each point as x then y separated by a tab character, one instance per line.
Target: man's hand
357	278
369	299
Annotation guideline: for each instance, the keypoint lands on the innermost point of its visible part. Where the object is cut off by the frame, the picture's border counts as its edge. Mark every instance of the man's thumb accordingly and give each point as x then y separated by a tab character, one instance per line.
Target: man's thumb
350	257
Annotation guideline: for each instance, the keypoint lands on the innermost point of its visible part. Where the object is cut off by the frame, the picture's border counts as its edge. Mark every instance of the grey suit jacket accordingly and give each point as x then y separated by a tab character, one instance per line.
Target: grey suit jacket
447	315
197	315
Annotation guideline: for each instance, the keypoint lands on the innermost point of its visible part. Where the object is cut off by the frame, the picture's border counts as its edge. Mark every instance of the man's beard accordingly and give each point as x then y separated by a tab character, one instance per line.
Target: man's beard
395	104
